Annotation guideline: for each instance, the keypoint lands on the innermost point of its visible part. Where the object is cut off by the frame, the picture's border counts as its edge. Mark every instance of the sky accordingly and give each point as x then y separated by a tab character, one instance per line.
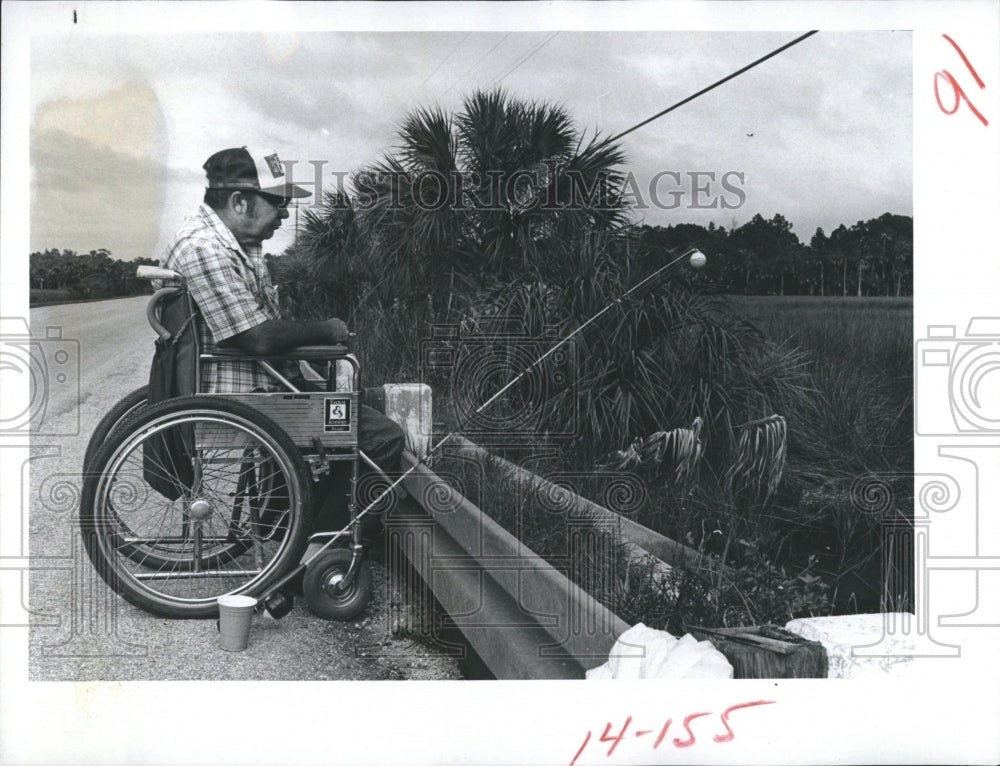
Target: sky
121	124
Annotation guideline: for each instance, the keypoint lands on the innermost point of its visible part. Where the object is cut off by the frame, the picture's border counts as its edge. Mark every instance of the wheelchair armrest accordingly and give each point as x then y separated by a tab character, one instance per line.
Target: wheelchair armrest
306	353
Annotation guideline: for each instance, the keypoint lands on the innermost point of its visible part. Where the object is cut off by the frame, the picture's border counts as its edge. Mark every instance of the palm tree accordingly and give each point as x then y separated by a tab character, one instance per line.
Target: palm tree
504	211
480	197
818	247
839	248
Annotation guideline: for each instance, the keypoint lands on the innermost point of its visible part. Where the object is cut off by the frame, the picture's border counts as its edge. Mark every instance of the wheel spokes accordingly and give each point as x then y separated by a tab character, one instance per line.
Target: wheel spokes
217	536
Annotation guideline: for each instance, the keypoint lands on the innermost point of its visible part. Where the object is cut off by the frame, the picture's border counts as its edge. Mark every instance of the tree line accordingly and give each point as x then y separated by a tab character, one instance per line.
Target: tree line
67	275
760	257
765	257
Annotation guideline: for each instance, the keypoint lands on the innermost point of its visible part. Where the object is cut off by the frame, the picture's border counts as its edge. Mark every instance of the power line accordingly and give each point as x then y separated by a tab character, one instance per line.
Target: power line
716	84
531	53
441	62
478	61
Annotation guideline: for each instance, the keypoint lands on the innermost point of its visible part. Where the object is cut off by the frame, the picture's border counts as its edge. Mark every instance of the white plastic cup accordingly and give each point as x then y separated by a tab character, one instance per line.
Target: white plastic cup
235	615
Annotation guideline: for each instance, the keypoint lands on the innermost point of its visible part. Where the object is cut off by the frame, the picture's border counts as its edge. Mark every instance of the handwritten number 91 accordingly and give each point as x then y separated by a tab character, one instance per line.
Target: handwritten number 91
957	92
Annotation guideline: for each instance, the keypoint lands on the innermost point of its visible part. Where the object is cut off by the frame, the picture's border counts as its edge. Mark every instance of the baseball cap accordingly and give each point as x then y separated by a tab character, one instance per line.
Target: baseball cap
239	169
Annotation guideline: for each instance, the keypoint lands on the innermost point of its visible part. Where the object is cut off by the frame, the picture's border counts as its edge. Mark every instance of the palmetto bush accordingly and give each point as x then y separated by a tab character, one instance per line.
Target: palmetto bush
547	254
333	270
658	360
329	268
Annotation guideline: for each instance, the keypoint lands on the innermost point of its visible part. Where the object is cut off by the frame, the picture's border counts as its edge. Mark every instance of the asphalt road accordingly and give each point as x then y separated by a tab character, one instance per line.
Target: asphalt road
80	630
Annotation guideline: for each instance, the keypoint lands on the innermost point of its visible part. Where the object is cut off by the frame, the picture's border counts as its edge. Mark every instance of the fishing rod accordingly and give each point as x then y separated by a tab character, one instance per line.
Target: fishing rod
275	600
714	85
277	603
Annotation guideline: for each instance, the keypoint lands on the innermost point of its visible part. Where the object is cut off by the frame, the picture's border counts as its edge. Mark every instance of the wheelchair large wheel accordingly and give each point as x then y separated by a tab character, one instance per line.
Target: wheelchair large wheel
133	402
171	509
128	405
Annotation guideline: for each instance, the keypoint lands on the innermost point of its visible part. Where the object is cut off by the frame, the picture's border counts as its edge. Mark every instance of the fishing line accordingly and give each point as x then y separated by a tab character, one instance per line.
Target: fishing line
274	606
478	62
441	62
516	66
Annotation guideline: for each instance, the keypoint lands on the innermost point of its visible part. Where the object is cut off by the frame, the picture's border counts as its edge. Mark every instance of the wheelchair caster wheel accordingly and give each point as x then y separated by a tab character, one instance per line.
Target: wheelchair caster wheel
324	589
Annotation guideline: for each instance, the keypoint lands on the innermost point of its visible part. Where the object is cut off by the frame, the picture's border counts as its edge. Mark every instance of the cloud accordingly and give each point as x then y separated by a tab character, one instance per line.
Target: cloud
86	196
831	118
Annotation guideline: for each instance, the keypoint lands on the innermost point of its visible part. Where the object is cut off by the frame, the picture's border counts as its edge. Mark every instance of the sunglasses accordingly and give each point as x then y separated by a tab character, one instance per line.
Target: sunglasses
281	203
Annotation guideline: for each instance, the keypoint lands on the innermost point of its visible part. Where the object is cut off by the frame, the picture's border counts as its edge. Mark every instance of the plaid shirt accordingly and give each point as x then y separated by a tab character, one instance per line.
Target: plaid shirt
233	290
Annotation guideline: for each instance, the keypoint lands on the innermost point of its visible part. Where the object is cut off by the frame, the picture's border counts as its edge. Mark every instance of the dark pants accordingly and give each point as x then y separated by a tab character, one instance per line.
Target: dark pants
382	441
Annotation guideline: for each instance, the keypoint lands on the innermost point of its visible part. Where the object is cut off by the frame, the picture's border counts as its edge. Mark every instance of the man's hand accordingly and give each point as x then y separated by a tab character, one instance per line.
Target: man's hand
337	330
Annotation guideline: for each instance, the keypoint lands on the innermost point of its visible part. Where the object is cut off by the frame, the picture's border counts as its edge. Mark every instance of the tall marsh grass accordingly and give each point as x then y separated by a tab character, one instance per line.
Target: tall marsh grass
808	546
860	422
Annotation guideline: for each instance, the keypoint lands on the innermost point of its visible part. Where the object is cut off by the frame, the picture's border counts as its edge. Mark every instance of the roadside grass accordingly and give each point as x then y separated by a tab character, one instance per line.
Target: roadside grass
807	549
859	424
810	548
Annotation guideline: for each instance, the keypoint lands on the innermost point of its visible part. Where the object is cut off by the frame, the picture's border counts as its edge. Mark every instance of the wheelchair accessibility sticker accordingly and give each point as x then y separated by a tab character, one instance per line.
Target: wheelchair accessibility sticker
338	415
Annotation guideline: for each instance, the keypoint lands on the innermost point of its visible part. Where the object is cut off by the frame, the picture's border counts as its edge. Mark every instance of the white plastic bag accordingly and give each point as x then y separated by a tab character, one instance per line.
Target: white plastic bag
643	652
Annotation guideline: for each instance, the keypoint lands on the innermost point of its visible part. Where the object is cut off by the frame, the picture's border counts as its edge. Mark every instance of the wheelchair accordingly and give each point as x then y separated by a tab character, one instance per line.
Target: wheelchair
198	496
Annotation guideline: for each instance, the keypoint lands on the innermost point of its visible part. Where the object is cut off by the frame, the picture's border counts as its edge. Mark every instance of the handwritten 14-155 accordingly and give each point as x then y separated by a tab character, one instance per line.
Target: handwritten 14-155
687	739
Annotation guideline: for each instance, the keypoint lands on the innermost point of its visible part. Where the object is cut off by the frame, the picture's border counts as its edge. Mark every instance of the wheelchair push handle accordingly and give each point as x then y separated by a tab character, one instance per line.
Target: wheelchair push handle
170	283
157	272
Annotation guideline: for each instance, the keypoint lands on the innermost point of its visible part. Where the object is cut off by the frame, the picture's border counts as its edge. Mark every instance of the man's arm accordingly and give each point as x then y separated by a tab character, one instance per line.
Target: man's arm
276	336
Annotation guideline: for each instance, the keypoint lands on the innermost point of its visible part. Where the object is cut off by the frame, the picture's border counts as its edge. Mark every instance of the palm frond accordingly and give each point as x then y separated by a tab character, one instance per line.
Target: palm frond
758	459
673	454
427	141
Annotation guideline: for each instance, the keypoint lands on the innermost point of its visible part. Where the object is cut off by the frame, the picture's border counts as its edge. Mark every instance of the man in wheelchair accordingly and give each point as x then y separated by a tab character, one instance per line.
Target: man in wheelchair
226	474
218	251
